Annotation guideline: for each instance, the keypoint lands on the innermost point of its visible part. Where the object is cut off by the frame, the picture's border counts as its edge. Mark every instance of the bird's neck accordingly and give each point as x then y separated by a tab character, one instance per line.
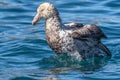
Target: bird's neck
53	24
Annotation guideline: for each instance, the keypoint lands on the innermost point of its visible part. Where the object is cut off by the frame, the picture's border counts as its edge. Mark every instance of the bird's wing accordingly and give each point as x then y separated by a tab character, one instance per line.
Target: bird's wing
91	33
73	26
88	31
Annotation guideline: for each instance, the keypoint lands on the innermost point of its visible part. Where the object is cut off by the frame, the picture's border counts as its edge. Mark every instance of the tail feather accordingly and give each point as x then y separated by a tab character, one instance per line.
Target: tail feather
105	49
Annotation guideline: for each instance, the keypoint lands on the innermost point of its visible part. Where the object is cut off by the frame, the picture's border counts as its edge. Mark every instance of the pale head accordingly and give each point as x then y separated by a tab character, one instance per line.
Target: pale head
45	10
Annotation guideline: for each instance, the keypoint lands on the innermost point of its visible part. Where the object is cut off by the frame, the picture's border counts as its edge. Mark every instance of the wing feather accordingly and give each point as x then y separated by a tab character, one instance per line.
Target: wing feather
88	31
73	26
92	34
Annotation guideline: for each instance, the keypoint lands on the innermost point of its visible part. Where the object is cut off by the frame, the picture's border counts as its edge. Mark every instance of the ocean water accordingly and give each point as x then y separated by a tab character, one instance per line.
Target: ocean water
25	54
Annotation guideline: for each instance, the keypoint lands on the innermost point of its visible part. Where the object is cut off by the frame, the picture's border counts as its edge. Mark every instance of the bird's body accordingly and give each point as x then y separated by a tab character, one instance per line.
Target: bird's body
75	39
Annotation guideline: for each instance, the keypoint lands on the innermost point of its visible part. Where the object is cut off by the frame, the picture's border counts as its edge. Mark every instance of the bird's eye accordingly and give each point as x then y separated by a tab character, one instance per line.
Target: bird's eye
42	10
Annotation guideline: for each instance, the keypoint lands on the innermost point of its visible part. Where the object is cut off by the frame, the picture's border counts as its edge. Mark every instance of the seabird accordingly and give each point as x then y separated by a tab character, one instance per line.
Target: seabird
75	39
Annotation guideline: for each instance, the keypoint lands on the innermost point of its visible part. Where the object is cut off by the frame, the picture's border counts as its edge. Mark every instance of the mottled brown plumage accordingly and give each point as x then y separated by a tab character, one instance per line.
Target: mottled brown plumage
75	39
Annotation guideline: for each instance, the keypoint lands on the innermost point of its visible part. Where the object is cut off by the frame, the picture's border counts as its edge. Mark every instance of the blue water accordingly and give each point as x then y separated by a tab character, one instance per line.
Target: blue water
25	54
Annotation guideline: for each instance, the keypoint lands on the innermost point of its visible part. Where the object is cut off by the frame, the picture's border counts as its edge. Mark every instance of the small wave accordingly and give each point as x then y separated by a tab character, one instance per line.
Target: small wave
65	61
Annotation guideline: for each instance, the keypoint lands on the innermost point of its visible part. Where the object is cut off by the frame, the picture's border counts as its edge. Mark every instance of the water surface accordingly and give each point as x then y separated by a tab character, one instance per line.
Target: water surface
25	54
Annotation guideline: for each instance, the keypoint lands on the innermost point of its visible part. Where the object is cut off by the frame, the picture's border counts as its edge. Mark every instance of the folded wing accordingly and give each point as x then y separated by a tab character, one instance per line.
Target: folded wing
91	32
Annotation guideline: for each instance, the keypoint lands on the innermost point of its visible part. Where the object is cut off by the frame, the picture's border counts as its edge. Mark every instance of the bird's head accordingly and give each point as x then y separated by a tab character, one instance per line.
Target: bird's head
45	10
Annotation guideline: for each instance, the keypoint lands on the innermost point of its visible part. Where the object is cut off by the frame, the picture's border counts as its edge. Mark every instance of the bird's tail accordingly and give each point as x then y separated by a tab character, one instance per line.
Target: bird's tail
105	49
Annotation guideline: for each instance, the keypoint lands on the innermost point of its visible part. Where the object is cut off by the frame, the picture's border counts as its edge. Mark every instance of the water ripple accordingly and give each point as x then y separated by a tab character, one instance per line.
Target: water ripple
25	54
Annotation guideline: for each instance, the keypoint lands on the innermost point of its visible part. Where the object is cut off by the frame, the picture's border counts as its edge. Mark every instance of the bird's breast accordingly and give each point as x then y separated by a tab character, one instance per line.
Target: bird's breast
60	42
